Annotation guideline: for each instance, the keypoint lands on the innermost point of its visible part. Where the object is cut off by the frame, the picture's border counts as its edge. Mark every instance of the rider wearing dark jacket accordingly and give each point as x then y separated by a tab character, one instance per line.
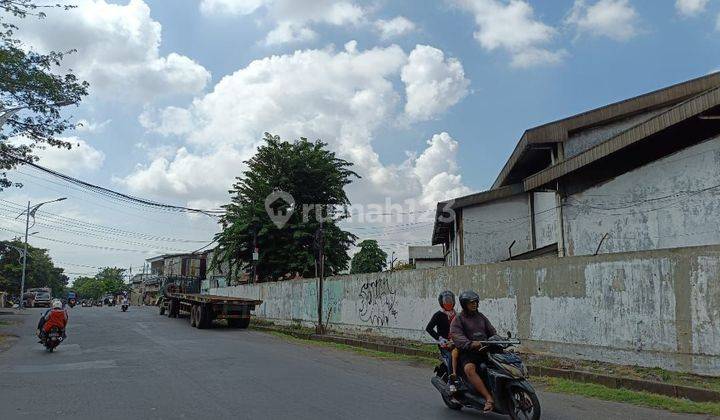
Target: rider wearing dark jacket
466	330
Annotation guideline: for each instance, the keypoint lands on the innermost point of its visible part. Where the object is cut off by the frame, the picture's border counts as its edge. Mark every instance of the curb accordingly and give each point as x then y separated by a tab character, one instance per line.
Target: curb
610	381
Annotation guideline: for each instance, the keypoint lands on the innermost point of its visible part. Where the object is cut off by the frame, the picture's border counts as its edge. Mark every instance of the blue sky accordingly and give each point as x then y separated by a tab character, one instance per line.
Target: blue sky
160	125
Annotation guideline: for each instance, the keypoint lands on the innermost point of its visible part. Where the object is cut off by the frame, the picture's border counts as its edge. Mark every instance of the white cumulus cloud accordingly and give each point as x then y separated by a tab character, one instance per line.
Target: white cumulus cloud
76	161
118	50
394	27
294	19
437	171
690	7
512	27
615	19
432	83
342	97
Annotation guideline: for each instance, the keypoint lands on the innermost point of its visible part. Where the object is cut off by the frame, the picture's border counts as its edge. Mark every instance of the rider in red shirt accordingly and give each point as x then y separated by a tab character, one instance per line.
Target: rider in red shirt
55	317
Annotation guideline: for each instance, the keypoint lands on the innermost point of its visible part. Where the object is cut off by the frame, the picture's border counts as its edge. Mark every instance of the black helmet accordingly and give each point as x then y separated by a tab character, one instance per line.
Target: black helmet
445	296
467	297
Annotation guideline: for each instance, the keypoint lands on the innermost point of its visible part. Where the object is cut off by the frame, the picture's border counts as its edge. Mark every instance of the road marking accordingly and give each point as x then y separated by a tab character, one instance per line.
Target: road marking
64	367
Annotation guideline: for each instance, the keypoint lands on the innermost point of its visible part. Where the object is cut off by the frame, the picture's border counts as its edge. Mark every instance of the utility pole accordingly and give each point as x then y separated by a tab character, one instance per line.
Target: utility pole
255	251
321	253
22	282
29	213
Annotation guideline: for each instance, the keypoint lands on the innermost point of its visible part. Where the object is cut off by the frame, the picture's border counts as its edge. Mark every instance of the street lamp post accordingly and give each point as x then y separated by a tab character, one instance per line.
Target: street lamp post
29	213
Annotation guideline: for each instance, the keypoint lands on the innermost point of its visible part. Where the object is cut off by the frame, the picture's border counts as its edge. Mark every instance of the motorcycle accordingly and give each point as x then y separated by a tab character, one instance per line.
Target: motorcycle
52	339
124	307
505	376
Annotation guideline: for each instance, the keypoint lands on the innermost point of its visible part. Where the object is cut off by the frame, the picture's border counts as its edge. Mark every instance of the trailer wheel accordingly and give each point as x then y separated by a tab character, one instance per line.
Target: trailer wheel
193	316
173	308
204	319
238	322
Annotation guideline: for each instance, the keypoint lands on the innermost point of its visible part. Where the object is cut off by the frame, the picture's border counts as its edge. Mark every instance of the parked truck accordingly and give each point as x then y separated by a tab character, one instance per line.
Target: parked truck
177	299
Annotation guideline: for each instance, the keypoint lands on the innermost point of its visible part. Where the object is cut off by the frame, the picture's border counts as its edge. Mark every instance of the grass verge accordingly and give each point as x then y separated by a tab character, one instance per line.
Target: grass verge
640	398
634	372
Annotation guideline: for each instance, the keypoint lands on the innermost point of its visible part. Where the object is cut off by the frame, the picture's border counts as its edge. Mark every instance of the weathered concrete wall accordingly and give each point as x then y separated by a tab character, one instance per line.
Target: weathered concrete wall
672	202
490	228
652	308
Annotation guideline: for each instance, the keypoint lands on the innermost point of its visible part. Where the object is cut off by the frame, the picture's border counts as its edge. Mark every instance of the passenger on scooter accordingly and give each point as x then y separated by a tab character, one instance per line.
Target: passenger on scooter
468	324
439	329
54	317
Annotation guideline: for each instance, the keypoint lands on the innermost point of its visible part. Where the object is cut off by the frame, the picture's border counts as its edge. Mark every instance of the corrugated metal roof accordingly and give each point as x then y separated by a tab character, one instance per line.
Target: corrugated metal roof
557	131
674	115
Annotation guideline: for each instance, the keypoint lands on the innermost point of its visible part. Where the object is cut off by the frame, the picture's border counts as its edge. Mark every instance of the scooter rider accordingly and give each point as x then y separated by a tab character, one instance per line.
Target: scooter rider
469	324
55	317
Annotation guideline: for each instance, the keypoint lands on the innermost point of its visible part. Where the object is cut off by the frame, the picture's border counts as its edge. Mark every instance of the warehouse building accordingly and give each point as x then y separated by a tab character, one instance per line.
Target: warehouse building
639	174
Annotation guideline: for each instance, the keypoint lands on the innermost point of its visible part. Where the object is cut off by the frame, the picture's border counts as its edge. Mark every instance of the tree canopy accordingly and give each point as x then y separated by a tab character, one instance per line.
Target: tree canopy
311	174
33	90
108	280
369	259
40	272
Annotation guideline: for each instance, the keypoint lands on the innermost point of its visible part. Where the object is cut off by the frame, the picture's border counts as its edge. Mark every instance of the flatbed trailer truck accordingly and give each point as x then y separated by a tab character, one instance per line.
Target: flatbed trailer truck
203	309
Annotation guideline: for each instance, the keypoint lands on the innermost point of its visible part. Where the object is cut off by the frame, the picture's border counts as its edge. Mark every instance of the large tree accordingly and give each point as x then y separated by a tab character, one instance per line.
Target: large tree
312	175
40	272
33	89
369	259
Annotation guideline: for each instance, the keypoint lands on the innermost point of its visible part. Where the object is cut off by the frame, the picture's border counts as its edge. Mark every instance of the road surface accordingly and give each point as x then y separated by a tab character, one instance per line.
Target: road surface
138	364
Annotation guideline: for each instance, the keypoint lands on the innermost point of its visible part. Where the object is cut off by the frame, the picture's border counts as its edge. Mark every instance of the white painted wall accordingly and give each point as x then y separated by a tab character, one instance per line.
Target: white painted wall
652	308
672	202
490	228
545	218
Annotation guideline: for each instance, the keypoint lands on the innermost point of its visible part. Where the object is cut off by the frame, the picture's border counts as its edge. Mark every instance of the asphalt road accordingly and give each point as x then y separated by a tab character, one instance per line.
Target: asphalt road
141	365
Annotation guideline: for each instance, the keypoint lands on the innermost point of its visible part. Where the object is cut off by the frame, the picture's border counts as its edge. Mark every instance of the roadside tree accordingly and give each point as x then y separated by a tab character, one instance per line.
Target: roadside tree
33	89
310	174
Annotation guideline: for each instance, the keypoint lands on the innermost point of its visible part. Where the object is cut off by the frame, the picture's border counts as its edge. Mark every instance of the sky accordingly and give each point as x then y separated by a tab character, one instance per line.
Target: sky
427	98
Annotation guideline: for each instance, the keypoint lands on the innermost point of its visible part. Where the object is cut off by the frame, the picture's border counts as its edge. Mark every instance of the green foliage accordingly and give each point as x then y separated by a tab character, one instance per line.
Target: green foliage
108	280
32	91
312	175
369	259
40	272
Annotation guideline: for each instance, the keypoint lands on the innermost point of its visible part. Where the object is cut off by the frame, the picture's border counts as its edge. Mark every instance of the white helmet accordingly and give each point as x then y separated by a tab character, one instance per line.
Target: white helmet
57	304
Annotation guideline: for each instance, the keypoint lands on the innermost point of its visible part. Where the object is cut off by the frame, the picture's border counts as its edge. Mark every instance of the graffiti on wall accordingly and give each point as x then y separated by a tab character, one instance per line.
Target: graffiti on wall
377	302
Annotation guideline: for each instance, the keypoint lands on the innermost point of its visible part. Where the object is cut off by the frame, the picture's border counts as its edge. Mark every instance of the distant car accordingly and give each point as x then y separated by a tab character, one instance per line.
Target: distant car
86	303
42	299
98	303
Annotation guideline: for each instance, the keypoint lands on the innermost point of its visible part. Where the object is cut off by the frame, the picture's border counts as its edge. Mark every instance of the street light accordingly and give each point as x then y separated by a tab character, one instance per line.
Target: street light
30	212
9	112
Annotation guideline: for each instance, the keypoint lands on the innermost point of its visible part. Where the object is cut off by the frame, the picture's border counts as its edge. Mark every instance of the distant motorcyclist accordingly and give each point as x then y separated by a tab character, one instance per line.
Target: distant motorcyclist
55	317
464	330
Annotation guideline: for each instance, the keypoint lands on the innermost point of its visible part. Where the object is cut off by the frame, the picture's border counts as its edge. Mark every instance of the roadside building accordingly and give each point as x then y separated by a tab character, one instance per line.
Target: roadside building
639	174
422	257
